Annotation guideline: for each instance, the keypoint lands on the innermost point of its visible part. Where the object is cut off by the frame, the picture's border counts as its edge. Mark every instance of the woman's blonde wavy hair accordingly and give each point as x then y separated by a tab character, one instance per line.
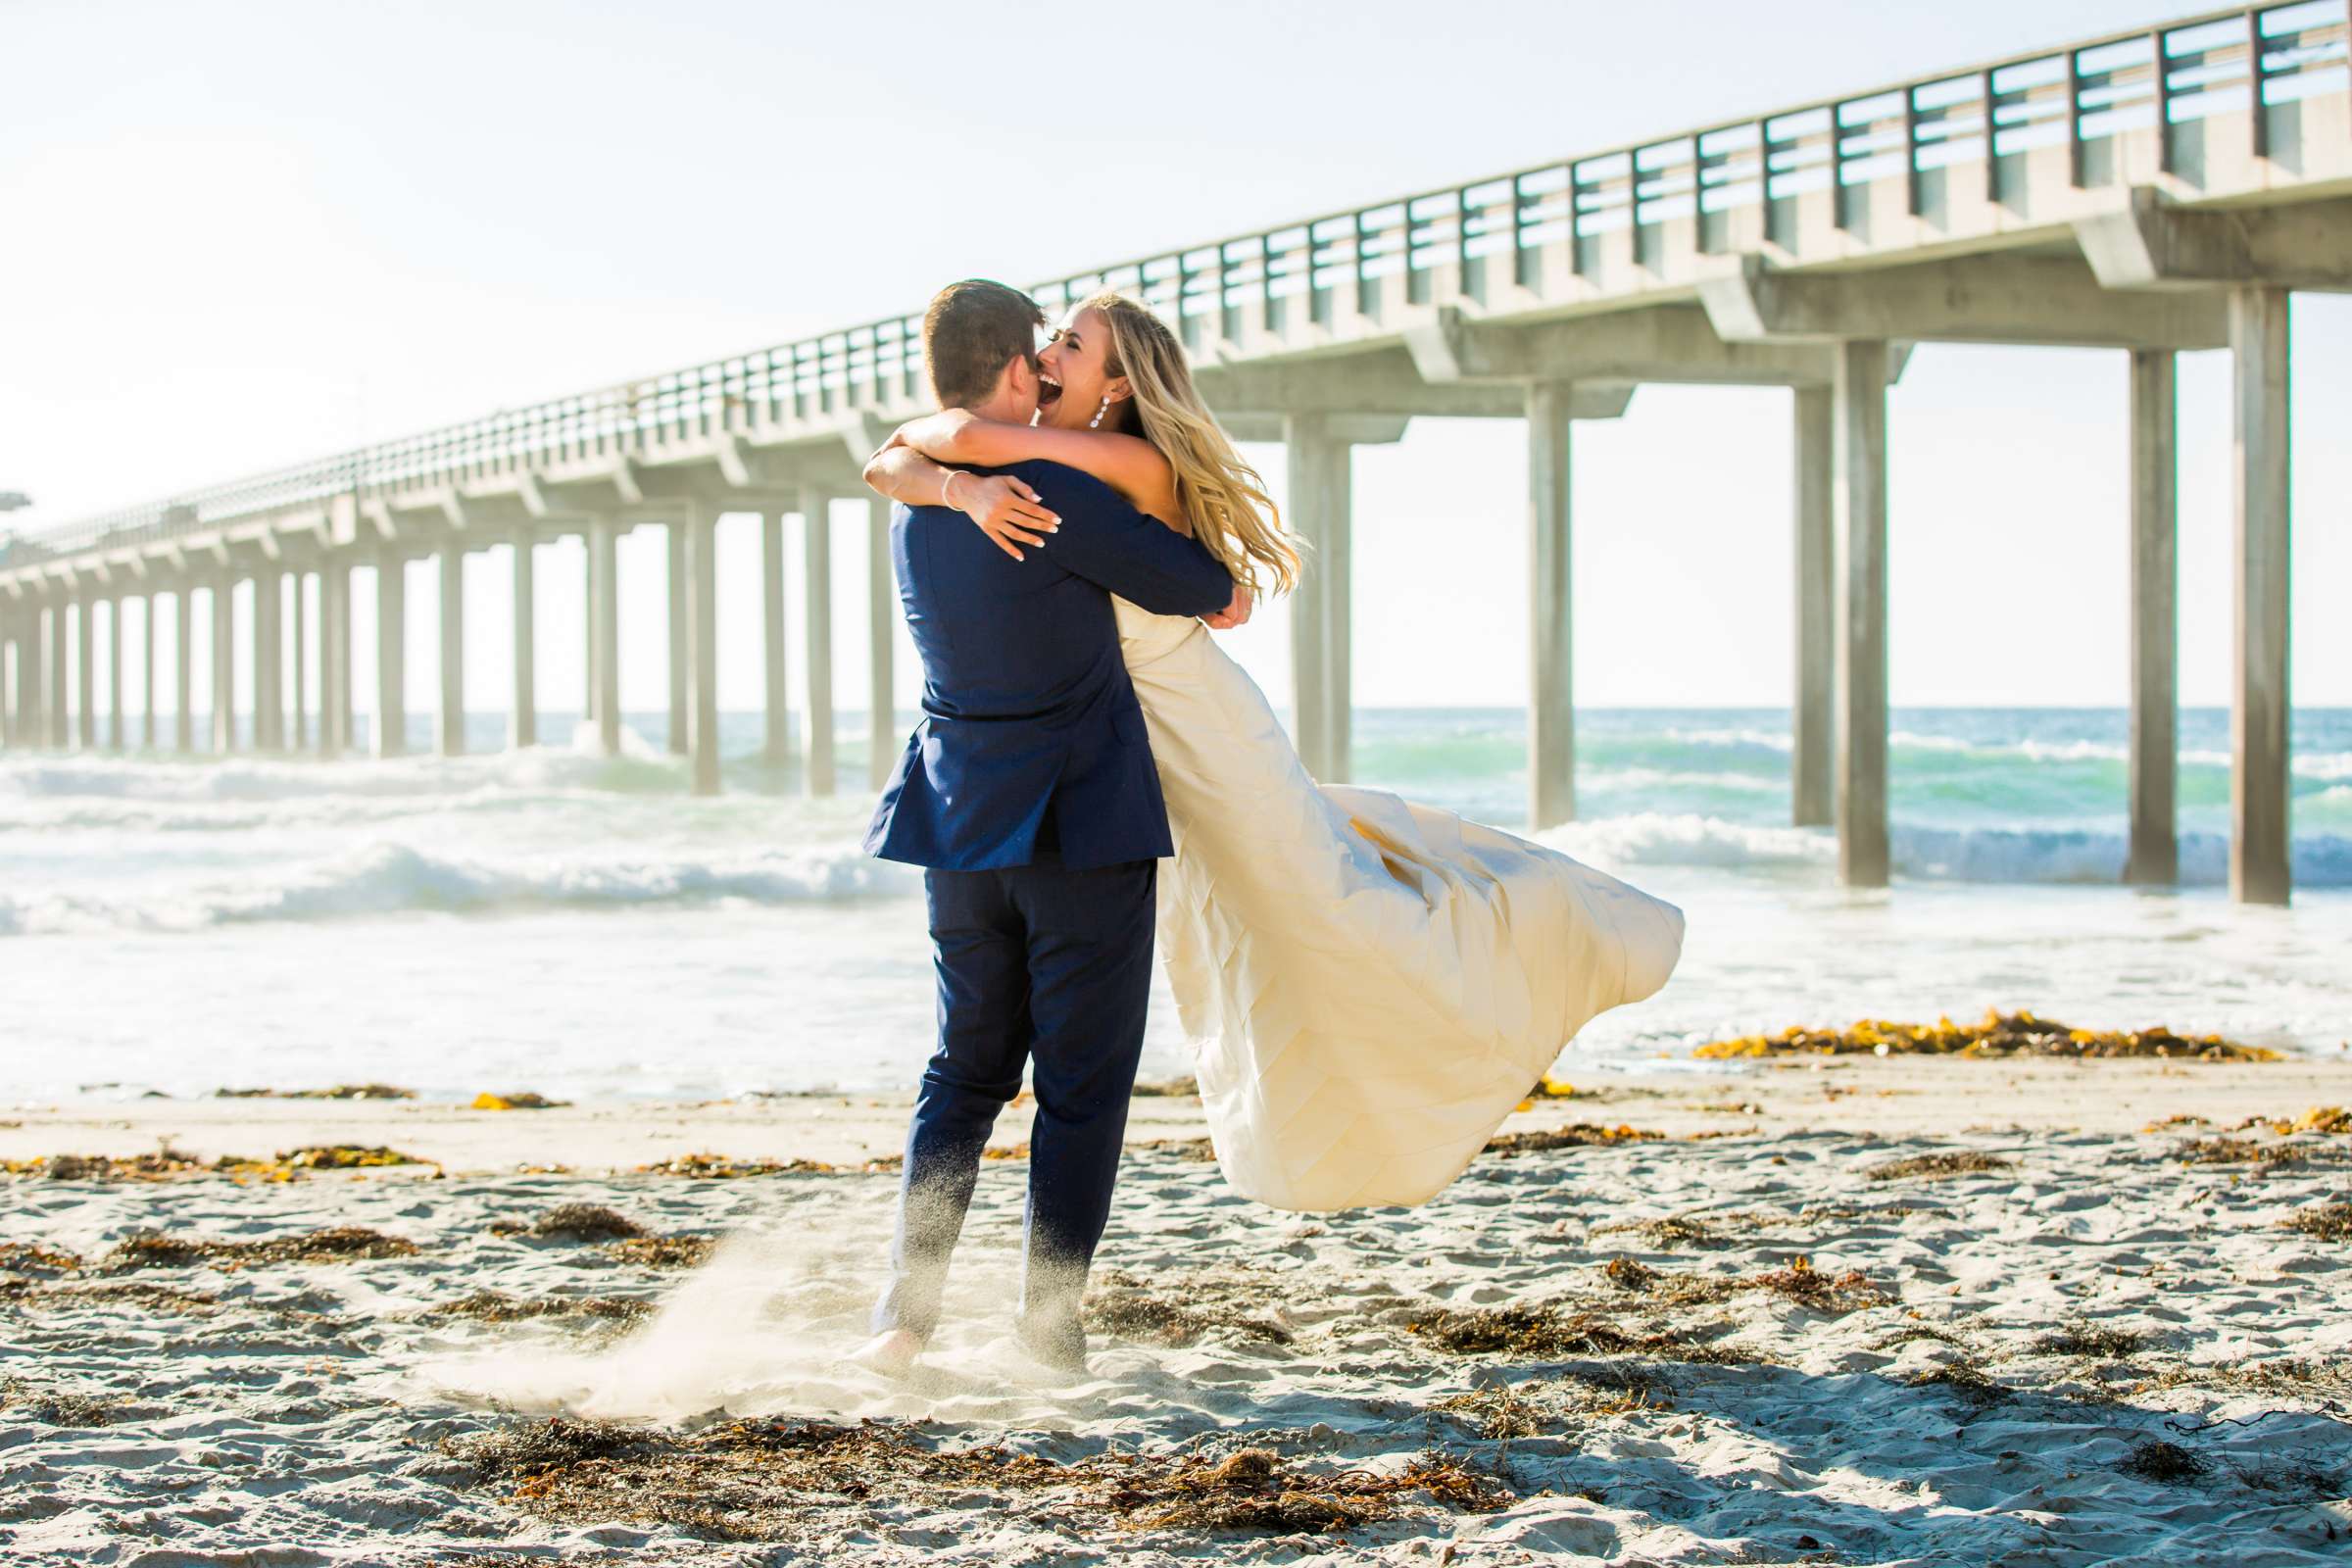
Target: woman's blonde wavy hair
1224	500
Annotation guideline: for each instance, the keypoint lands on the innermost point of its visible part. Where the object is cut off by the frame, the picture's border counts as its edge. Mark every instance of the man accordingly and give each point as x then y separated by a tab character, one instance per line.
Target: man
1029	795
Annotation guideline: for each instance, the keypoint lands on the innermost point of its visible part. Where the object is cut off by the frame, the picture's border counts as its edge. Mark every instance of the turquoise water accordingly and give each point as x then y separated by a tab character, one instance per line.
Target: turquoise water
580	926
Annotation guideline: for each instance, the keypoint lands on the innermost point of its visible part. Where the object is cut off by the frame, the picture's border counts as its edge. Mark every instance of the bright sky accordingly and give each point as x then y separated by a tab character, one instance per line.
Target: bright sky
243	234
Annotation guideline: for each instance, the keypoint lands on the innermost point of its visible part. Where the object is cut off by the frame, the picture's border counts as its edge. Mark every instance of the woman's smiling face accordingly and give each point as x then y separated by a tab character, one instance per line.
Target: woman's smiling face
1074	364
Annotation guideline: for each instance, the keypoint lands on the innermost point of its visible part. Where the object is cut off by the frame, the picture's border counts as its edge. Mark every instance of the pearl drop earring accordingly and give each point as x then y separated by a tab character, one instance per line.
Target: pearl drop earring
1096	422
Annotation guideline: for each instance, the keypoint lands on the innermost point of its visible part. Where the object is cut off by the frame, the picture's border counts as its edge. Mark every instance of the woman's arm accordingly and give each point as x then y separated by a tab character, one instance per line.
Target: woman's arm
1005	509
1127	464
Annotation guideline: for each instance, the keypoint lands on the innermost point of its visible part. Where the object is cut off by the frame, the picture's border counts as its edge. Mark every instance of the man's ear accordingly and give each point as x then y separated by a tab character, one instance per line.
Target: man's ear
1020	376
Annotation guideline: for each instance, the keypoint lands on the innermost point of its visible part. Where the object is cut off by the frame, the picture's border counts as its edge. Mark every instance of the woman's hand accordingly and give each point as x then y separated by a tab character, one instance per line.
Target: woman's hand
1007	510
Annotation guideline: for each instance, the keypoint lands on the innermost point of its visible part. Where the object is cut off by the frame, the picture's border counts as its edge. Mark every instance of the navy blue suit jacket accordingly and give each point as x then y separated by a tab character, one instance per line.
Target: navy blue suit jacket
1028	715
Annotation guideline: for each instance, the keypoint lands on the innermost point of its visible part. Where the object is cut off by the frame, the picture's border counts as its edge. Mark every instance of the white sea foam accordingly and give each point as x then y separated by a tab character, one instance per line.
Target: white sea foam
1950	854
384	878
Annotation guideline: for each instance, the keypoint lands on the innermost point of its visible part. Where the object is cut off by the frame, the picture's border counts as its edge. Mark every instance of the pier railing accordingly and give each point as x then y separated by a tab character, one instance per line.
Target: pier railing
1952	125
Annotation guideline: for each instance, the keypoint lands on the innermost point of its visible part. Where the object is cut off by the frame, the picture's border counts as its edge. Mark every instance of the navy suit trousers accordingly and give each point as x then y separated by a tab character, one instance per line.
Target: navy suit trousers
1053	967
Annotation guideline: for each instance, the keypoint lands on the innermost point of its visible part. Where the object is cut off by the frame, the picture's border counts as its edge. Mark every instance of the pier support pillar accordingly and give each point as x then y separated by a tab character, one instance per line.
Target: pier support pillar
298	684
183	668
452	564
2155	852
391	655
771	604
1551	685
816	614
604	635
115	729
334	657
1859	503
882	620
32	684
224	664
522	709
269	648
702	558
2259	871
1314	726
85	675
678	637
1812	724
147	672
61	712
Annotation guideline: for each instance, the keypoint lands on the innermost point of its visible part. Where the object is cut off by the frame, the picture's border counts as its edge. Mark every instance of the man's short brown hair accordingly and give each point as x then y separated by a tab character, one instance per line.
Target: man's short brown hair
970	333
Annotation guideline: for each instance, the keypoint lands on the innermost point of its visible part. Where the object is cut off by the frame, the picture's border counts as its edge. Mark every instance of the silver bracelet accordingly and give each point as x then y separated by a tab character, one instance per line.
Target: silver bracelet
947	489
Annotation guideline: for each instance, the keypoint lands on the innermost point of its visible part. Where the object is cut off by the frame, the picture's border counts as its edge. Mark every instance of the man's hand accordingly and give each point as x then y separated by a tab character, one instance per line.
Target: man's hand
1234	615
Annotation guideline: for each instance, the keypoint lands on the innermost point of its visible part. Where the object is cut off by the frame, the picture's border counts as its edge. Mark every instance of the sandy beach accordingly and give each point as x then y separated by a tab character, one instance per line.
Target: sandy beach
1854	1311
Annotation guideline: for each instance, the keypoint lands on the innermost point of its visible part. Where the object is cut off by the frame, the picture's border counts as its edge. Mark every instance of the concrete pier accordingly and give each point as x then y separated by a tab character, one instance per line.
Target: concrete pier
1812	784
335	730
702	556
450	560
1860	505
816	614
115	732
1308	447
2259	871
882	620
1551	686
183	668
604	636
333	735
391	653
224	664
298	684
147	671
60	661
522	709
775	693
86	674
269	650
2155	847
678	637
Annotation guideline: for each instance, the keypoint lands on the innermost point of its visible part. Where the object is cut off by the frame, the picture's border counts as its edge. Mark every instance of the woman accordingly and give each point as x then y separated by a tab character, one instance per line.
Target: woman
1375	984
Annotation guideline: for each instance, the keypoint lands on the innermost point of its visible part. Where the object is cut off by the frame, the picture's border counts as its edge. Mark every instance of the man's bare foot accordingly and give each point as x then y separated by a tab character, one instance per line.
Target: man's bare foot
891	1353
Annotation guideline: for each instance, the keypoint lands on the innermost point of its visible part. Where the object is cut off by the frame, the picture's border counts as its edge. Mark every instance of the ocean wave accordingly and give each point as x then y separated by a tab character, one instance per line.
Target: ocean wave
383	879
249	780
1941	854
1771	740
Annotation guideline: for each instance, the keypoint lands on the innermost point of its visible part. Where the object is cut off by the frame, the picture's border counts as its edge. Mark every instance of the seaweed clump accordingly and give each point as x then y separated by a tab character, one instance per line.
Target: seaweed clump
336	1244
1126	1307
1503	1411
1577	1135
1939	1167
337	1092
2167	1462
166	1163
663	1251
2328	1222
57	1408
725	1167
575	1222
1996	1035
33	1259
2105	1342
1549	1334
749	1480
496	1306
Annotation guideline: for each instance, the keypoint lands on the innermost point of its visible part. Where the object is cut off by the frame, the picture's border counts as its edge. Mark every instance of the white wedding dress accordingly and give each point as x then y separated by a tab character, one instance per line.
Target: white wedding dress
1373	984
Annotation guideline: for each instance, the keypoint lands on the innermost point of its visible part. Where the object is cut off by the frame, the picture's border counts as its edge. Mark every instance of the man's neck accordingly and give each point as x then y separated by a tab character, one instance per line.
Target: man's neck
999	409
